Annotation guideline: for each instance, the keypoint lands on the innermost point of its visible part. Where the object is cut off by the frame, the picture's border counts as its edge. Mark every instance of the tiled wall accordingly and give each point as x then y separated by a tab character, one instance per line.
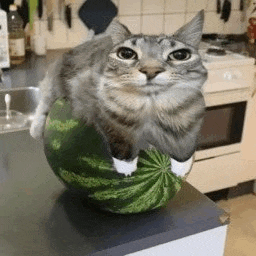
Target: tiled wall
146	16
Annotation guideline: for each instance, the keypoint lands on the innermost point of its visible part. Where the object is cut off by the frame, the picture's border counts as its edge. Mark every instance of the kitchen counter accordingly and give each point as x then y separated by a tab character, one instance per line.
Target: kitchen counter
31	71
38	216
235	43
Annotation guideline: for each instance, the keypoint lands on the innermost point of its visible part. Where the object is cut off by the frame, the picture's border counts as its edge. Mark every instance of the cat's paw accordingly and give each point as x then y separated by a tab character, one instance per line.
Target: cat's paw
37	128
181	168
125	167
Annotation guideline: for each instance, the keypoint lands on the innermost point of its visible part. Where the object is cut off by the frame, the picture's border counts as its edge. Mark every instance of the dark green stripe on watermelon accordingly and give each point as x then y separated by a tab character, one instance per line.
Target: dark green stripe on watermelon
79	157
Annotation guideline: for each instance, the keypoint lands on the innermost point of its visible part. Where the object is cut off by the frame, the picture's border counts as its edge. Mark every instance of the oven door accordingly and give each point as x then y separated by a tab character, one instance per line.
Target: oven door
223	125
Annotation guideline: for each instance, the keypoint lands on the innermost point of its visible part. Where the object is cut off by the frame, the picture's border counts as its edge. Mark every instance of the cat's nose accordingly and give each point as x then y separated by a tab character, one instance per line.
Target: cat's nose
151	72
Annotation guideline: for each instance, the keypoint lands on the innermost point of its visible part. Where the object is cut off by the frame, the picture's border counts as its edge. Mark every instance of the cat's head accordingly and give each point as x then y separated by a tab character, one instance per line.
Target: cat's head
190	33
143	61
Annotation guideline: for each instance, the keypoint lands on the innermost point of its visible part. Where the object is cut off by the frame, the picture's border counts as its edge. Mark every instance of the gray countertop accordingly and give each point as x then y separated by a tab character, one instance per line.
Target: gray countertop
38	216
32	70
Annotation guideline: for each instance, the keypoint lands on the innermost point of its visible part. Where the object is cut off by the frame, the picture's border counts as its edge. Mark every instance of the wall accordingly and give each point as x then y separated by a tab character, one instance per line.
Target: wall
146	16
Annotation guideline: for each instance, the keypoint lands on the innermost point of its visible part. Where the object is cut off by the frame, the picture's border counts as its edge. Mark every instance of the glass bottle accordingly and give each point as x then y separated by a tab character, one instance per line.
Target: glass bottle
16	36
4	44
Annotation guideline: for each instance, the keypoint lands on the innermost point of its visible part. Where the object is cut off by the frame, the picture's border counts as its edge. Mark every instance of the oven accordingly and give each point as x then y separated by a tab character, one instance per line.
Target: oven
223	125
227	93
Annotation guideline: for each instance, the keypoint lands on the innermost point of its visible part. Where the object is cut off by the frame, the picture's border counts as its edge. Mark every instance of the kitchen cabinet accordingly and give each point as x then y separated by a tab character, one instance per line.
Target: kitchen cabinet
249	137
216	173
248	147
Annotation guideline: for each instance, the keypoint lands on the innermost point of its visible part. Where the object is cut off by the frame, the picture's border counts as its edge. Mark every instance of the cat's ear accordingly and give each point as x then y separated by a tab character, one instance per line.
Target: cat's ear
117	31
191	33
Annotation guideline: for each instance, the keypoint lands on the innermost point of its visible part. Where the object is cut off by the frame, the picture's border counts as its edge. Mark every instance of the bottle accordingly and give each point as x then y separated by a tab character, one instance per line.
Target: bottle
16	36
4	44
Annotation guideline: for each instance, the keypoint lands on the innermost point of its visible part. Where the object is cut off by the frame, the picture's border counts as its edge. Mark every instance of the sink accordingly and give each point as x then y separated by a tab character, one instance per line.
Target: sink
24	100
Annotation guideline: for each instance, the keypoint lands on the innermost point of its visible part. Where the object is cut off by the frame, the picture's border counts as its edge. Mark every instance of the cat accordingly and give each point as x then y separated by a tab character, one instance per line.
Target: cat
137	90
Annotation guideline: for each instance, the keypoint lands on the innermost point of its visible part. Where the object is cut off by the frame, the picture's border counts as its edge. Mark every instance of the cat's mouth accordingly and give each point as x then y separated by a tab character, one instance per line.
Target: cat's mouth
150	83
153	84
153	88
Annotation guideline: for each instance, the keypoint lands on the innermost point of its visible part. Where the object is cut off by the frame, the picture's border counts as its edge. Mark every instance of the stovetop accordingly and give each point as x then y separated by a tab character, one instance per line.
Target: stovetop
225	58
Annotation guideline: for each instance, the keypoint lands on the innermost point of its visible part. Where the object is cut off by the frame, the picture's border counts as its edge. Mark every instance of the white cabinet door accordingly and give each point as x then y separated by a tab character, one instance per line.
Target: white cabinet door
210	242
216	173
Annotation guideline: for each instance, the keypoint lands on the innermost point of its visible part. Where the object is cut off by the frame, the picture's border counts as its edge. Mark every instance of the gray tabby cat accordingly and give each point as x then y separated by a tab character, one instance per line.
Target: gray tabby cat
136	90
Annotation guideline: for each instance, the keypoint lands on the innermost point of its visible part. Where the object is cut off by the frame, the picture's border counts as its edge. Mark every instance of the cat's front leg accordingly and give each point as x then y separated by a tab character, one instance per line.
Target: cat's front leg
49	94
37	126
125	167
124	156
122	145
38	123
181	169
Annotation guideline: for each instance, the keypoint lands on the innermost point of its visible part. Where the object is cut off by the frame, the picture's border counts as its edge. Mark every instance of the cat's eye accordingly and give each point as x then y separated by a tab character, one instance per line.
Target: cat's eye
182	54
126	53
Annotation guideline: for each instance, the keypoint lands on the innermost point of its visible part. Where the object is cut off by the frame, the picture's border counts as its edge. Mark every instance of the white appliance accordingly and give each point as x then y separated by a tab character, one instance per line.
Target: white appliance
4	44
228	92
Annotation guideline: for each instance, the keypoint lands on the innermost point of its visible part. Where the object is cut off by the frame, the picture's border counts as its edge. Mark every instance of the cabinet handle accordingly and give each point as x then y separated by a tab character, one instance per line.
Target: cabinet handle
254	91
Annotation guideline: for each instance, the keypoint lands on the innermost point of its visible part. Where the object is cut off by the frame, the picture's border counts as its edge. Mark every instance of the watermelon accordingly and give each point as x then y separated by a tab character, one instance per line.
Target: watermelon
80	159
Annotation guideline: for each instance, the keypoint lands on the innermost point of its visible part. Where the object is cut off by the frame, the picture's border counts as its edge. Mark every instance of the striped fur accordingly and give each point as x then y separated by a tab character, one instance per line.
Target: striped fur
152	98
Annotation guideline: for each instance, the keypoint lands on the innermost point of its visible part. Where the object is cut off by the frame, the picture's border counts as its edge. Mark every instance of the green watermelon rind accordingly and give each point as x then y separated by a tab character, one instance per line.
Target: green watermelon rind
150	187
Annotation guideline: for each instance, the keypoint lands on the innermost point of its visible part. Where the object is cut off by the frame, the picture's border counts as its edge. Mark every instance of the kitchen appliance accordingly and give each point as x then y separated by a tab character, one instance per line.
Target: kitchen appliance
4	45
227	92
223	125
